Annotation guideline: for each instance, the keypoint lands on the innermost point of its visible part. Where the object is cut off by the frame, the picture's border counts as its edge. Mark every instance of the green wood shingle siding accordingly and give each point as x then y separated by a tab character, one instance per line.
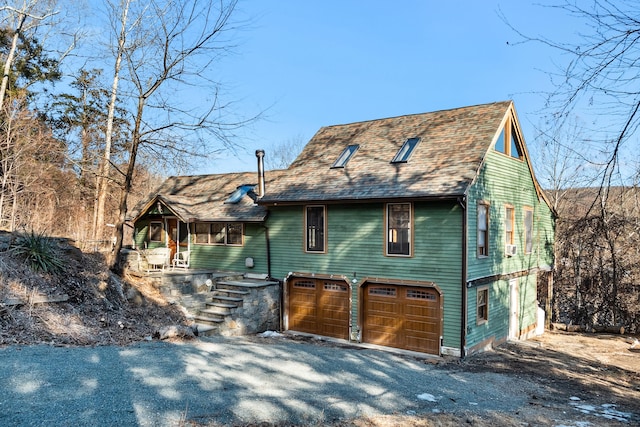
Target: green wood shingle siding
506	181
355	245
219	257
232	258
497	327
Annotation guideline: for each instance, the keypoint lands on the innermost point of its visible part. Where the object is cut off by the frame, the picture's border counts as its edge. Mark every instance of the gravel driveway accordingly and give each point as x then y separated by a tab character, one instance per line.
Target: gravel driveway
235	380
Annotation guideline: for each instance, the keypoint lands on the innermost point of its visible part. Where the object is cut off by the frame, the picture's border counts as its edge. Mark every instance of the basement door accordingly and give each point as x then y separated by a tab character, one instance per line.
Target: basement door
402	316
319	306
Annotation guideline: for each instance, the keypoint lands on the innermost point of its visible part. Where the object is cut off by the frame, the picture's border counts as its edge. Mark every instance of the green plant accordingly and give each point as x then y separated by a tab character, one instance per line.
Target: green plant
39	252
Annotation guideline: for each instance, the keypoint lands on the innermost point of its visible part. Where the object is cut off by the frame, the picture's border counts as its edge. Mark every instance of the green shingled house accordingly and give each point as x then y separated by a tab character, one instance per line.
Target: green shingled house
213	218
424	232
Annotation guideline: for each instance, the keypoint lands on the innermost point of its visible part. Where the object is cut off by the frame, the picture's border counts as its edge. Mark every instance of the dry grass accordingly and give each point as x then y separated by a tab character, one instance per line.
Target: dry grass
101	308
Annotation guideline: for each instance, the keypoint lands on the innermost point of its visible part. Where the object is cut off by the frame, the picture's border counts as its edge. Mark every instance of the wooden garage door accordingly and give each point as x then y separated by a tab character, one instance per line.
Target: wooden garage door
319	307
402	317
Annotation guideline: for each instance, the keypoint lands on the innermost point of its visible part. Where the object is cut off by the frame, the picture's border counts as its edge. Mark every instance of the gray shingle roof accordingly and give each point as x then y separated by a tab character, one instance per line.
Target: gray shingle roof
445	162
201	197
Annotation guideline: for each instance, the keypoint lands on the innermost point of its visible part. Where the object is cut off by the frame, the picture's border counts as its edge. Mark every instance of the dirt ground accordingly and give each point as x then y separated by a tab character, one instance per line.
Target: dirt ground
97	307
572	367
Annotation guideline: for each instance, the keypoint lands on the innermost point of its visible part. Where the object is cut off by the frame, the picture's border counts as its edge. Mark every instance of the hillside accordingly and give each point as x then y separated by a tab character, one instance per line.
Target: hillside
94	306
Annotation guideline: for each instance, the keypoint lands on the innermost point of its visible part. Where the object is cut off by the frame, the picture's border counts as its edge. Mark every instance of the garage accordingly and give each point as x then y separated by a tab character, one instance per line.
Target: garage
402	316
318	306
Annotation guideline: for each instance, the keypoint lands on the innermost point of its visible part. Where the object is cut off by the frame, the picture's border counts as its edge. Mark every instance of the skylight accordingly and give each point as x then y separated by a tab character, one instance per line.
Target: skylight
345	156
240	192
406	150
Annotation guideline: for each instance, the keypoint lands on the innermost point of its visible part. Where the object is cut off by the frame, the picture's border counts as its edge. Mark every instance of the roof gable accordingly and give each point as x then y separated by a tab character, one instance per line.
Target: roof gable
452	145
205	198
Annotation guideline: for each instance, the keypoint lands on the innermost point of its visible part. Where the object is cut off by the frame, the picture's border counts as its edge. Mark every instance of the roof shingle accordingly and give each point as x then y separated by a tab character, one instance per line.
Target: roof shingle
452	146
202	197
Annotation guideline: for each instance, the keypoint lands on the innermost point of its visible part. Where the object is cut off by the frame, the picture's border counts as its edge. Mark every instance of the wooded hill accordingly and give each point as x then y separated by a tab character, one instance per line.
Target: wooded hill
597	276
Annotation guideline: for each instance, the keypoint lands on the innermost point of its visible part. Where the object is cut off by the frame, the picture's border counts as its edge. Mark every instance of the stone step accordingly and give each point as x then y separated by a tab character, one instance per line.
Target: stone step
230	291
207	320
220	304
220	309
205	330
229	299
246	283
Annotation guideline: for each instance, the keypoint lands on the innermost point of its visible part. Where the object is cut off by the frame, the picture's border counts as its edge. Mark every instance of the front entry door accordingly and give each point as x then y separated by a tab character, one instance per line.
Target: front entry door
172	228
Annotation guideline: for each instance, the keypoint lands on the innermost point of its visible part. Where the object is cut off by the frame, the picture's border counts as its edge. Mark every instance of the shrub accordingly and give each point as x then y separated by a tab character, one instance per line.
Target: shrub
39	252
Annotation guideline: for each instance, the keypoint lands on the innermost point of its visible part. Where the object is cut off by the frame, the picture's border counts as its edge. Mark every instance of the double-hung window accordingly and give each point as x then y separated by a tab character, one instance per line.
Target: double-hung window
528	230
156	231
398	229
483	229
482	305
315	225
509	224
219	233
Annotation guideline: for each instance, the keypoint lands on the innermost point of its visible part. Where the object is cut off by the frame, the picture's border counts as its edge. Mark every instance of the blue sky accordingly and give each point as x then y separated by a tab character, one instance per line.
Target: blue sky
316	63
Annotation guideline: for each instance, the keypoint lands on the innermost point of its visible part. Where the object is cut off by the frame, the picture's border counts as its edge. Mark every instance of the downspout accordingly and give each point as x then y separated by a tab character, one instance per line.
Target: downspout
268	242
462	201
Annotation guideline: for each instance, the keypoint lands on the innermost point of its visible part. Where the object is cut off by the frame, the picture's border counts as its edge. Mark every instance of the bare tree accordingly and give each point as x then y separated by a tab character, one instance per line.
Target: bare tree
283	154
600	80
562	162
105	164
597	228
30	159
175	50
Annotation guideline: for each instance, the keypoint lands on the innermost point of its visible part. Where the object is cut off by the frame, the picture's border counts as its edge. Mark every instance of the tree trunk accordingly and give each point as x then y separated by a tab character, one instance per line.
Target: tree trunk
115	263
7	64
103	177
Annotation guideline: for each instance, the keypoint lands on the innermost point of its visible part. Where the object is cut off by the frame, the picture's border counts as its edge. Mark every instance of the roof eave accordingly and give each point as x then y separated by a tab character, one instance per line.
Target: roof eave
361	200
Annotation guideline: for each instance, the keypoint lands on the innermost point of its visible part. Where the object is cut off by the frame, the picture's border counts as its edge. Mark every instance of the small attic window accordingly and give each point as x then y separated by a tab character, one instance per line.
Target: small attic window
345	156
240	192
402	156
508	142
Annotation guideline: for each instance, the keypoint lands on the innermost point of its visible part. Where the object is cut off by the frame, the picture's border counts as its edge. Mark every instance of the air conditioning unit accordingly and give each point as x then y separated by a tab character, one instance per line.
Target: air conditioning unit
510	250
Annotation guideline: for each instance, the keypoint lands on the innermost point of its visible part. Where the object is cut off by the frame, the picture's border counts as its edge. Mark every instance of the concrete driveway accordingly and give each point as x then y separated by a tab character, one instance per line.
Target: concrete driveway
233	381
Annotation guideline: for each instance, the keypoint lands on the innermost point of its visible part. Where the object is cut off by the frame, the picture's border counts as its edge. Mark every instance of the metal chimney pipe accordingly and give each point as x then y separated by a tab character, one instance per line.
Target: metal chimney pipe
260	156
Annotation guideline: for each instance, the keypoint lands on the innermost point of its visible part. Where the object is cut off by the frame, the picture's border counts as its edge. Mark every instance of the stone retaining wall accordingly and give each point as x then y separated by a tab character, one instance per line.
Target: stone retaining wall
259	312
